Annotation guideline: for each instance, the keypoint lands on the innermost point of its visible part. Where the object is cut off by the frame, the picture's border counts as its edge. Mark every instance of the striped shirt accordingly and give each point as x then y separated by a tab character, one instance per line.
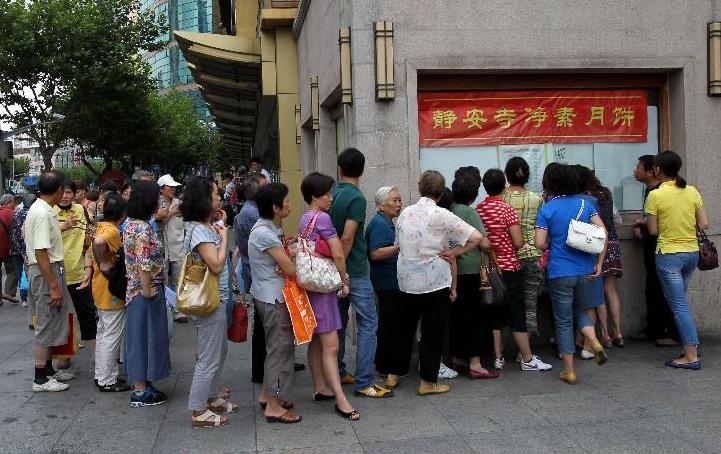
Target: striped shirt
526	204
498	217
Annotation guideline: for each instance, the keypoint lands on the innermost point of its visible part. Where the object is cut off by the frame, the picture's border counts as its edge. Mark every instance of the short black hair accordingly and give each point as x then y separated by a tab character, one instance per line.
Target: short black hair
114	207
50	182
351	162
446	199
517	171
494	182
648	162
562	179
197	204
270	196
469	172
70	184
143	201
465	188
109	185
315	185
256	159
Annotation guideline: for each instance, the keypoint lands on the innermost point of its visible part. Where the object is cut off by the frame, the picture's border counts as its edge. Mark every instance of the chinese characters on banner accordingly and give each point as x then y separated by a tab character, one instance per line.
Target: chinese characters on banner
531	117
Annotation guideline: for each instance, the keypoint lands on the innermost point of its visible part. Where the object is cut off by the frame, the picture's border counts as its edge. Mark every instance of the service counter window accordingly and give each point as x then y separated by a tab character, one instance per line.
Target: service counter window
605	130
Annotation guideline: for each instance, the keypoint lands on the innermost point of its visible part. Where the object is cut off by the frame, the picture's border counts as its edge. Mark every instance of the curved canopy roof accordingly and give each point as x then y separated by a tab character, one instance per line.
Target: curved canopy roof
227	72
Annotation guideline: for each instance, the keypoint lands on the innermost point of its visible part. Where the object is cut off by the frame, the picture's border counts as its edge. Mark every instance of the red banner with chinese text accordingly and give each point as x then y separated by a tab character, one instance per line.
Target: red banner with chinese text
517	117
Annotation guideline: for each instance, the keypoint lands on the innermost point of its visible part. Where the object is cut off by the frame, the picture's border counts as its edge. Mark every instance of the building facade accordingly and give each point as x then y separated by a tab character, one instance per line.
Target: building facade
425	84
460	65
169	67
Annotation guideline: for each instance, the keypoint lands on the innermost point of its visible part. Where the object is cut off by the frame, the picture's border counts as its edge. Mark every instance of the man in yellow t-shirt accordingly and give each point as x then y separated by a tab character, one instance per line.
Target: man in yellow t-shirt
111	309
74	221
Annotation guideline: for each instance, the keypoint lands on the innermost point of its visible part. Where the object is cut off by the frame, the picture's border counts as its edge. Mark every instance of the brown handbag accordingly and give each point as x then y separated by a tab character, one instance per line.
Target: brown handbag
493	289
707	253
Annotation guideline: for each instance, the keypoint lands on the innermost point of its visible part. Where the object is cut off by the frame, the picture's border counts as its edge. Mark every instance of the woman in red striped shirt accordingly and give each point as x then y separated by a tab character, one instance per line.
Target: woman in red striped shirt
504	231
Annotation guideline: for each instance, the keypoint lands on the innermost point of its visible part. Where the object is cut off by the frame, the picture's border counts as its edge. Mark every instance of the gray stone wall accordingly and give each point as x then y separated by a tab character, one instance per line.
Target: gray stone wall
526	37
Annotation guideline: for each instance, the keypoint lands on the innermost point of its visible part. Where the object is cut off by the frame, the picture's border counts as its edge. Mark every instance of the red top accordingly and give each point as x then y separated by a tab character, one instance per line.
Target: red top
498	217
6	219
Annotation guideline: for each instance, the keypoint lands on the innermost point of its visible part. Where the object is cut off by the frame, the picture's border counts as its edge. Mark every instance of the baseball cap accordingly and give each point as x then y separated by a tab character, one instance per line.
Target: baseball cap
167	180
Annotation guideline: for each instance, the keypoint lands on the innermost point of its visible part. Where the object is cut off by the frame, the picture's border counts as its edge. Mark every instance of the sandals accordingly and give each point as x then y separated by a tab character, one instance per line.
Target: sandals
599	356
286	418
283	403
221	405
350	416
208	419
618	342
319	397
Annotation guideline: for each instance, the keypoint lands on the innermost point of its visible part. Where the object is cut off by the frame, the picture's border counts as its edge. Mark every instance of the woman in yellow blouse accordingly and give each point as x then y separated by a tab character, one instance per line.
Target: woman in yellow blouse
675	212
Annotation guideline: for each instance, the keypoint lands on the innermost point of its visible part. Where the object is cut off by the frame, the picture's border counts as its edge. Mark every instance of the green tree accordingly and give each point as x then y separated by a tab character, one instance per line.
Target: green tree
22	166
181	141
73	57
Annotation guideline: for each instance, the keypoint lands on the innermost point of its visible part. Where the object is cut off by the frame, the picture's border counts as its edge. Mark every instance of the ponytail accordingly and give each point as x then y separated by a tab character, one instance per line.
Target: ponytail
670	164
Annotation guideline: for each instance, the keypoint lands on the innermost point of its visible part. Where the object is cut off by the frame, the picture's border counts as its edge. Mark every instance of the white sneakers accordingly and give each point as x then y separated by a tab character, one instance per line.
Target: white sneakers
535	364
585	354
62	375
52	386
499	363
446	373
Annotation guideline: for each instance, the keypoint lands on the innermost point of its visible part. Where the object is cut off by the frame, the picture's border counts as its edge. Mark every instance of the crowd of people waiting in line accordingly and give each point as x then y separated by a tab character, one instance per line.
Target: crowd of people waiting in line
422	264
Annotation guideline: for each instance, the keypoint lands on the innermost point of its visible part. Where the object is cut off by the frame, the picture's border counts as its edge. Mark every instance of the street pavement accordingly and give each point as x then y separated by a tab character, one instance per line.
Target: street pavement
633	404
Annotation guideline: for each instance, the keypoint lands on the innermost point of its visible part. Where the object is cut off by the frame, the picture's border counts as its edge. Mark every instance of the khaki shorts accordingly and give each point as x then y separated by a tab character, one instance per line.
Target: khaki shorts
52	327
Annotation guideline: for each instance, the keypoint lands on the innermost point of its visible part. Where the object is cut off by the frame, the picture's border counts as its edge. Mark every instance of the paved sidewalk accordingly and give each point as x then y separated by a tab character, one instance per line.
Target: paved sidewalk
633	404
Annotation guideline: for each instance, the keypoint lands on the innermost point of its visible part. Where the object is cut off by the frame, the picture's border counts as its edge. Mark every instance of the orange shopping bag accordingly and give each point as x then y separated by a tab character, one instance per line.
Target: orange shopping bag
71	347
301	313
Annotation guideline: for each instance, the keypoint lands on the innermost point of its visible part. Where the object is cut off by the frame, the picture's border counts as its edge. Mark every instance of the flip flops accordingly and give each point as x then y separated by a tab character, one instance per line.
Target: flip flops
696	365
286	418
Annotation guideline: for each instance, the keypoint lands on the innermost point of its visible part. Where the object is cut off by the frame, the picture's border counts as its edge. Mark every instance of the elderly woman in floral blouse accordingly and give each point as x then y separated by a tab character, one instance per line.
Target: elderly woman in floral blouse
424	274
147	354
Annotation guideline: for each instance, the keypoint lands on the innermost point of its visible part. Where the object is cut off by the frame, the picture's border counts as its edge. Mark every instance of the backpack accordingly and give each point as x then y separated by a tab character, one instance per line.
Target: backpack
117	276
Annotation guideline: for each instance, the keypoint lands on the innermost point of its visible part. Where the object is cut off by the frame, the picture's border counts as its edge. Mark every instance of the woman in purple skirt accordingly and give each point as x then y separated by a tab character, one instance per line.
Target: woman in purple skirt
323	348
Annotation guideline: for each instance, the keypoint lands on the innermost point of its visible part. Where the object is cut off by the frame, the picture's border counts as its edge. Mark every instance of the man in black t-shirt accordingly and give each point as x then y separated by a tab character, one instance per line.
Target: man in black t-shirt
660	324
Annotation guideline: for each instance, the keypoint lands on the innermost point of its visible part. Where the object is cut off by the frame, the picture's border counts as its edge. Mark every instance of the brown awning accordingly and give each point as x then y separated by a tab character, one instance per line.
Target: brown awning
227	71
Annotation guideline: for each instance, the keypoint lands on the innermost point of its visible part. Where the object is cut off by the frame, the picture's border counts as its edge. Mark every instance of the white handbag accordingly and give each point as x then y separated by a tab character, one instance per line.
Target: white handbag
585	237
312	271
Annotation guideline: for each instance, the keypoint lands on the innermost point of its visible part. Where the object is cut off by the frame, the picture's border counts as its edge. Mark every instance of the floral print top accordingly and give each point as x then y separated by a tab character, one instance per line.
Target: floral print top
143	251
423	231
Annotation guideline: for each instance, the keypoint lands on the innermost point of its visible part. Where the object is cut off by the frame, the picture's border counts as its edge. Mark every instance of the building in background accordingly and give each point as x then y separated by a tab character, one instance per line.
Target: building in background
248	76
27	149
422	85
168	65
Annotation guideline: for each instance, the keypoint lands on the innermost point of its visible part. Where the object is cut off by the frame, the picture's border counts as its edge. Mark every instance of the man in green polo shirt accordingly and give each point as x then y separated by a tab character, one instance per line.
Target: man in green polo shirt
348	214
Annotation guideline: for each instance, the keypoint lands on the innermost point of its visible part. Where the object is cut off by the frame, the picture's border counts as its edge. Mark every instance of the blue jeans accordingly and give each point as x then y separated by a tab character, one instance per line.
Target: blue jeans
570	296
147	345
362	299
20	269
675	272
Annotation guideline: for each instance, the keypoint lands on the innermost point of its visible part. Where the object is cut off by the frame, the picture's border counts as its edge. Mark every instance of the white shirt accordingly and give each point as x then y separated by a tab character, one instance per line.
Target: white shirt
42	231
267	175
423	231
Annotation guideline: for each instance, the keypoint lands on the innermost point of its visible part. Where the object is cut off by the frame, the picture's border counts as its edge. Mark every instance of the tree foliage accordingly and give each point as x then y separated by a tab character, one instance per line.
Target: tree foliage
181	140
22	166
73	58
